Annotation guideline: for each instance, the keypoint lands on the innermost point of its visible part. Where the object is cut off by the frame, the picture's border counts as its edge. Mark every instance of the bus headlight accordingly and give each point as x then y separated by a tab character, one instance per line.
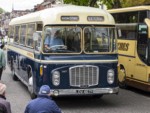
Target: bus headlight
56	78
110	76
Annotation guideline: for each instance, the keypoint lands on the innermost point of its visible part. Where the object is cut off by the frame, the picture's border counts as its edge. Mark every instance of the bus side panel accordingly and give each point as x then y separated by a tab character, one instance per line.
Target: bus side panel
126	50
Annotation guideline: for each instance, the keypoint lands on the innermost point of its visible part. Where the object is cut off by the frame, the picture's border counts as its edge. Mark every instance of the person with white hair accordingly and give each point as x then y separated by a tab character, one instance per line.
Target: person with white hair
43	103
4	104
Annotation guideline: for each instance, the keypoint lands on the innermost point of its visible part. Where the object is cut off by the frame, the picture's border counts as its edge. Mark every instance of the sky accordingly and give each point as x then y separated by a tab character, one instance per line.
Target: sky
18	4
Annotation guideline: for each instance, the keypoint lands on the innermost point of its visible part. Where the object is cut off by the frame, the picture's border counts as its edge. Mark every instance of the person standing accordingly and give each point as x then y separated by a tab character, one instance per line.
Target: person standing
43	103
4	105
2	61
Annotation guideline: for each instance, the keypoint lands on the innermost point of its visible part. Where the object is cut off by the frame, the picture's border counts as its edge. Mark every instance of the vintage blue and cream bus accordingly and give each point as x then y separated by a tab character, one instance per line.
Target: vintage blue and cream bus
84	63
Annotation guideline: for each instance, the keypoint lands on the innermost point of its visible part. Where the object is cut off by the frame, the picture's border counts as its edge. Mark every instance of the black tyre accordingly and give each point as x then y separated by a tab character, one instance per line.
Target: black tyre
97	96
122	79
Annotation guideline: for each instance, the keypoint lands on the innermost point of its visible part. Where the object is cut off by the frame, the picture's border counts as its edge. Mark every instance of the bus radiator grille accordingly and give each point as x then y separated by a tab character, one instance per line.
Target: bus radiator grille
84	76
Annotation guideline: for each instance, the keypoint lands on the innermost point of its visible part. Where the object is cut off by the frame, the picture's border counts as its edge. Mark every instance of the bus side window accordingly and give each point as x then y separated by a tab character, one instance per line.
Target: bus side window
31	30
11	34
39	27
128	31
16	38
130	35
22	34
142	44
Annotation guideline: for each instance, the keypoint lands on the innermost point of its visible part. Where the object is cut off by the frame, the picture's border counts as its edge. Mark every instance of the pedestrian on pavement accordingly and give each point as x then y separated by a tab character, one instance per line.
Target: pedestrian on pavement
43	103
4	105
2	61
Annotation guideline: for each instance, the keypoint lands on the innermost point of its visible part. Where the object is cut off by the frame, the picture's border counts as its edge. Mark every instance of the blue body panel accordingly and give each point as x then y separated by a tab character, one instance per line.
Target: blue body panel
22	62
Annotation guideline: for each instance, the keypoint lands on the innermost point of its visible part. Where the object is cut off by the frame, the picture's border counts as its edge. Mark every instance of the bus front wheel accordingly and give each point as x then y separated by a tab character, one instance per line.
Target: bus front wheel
122	78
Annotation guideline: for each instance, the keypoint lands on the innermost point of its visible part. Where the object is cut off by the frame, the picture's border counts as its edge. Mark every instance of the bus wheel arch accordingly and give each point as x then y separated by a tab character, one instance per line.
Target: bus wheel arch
122	76
30	82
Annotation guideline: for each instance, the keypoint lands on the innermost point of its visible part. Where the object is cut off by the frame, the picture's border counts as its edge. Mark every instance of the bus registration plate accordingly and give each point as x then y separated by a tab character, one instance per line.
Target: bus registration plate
84	91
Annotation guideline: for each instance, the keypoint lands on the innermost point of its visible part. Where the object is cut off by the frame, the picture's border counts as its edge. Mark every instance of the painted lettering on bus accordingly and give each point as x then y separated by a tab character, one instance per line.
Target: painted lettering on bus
123	46
30	54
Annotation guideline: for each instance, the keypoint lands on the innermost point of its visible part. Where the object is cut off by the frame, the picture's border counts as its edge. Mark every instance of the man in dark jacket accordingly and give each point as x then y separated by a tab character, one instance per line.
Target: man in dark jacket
43	103
4	105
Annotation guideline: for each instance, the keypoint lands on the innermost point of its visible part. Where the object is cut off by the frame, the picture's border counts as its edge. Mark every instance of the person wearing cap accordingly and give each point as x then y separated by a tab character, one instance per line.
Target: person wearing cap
43	103
4	105
2	62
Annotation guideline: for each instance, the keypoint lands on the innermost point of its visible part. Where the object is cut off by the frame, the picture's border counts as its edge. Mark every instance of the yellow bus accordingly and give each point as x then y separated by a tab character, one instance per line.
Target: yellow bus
134	46
83	60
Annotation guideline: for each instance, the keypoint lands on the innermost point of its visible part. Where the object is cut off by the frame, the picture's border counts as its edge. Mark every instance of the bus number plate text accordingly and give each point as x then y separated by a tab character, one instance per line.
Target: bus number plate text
84	91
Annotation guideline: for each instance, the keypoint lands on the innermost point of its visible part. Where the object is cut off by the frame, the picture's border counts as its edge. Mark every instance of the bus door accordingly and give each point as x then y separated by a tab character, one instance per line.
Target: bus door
142	53
22	67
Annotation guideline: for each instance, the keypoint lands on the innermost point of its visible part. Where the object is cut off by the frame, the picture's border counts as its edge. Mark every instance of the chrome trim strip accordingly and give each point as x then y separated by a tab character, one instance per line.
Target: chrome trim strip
77	61
69	92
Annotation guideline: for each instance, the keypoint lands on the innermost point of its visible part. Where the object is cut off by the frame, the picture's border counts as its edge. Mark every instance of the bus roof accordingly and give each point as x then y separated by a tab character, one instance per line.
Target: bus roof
129	9
53	15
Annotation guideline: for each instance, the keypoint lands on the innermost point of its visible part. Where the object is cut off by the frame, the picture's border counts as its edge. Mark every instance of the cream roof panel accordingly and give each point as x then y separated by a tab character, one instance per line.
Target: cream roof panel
32	17
53	15
129	9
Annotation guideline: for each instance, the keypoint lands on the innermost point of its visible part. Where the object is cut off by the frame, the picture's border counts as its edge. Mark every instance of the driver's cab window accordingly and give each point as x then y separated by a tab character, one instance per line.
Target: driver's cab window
52	39
97	39
62	39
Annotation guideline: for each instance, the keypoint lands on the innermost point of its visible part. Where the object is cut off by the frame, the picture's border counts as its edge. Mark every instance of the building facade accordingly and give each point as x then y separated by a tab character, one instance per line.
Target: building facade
5	18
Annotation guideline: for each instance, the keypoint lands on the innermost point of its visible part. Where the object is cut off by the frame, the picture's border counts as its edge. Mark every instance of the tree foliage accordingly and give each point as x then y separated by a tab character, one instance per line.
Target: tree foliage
129	3
91	3
1	10
112	3
77	2
109	3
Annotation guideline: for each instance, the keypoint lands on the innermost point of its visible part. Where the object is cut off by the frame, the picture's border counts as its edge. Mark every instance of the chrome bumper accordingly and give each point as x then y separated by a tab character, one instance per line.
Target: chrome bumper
77	92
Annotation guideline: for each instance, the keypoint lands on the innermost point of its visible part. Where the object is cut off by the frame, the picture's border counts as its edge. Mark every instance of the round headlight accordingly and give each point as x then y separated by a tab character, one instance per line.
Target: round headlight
56	78
110	76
